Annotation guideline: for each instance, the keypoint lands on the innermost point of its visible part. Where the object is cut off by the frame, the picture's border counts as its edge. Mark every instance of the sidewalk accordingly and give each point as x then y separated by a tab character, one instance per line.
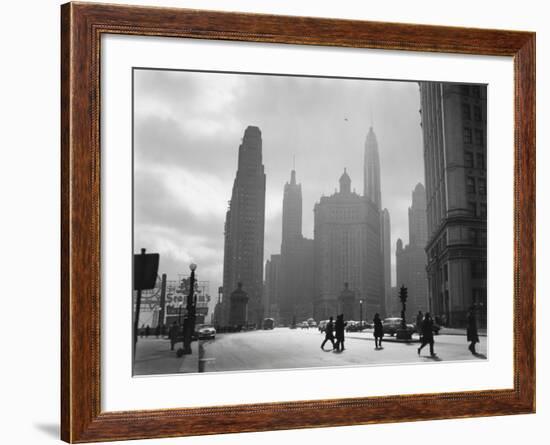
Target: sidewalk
459	331
367	334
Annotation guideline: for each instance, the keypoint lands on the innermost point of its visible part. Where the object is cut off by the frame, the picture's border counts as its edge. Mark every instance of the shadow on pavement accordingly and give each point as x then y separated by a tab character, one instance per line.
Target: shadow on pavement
435	358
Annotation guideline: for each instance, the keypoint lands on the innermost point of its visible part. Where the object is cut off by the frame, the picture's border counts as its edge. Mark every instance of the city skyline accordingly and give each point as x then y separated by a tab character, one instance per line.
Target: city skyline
159	130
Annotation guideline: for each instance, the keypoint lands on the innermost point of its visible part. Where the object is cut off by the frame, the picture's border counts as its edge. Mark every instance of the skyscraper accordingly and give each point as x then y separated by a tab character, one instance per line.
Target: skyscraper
272	291
455	148
411	260
296	286
371	186
347	250
244	230
385	240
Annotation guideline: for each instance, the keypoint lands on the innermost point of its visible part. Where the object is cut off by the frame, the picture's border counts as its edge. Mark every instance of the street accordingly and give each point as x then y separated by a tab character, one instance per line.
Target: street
284	348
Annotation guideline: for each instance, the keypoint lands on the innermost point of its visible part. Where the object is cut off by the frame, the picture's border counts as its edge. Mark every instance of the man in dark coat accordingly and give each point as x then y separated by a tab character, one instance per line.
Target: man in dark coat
378	331
340	328
173	334
329	333
427	334
419	318
471	331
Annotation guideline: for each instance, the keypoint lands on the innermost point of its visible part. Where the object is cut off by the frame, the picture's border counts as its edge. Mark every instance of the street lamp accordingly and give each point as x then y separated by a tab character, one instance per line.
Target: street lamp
189	322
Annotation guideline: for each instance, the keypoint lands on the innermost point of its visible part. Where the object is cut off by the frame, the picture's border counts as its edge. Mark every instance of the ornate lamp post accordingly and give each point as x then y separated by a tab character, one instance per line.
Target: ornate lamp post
189	322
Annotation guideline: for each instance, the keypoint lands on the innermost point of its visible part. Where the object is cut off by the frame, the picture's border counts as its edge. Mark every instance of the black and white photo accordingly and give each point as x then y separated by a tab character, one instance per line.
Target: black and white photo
306	221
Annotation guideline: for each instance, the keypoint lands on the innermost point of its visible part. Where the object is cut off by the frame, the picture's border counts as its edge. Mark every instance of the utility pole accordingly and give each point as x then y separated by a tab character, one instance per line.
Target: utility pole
162	302
138	305
189	322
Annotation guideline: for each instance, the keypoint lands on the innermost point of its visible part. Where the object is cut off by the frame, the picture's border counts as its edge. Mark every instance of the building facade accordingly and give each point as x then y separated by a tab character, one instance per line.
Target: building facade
454	127
244	231
347	250
272	289
411	260
296	278
385	240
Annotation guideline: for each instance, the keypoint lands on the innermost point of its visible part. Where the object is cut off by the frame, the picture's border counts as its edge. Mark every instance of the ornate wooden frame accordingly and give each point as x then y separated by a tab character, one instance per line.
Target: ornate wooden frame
81	28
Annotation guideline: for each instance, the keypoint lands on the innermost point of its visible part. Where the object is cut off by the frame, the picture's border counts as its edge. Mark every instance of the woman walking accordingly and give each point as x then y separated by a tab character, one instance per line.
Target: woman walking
378	331
471	331
427	334
329	334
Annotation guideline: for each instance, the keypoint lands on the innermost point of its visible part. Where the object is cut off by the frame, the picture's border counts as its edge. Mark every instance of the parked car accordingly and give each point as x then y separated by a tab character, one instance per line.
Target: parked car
392	324
322	325
311	323
352	326
303	325
205	332
269	323
357	326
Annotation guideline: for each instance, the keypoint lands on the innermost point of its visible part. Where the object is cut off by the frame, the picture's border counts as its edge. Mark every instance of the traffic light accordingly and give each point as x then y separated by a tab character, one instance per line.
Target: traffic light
403	294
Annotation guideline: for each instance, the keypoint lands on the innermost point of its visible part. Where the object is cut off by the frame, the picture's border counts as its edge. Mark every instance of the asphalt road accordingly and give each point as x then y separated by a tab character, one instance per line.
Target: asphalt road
284	348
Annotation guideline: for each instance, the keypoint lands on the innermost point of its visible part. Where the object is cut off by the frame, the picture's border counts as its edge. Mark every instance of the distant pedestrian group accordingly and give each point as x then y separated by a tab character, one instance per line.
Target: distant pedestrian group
335	333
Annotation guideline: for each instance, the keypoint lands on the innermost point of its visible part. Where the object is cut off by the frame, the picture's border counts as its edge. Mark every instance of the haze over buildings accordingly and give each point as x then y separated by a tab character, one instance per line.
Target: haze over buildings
188	127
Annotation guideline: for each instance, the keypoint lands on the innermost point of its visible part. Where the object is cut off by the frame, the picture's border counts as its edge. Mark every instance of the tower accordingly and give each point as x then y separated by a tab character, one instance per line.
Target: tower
411	260
385	243
371	172
244	229
296	277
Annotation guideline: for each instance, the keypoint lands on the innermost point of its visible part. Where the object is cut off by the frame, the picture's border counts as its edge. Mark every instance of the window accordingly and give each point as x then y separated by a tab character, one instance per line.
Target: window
476	91
466	113
483	211
483	238
469	159
470	185
482	183
479	269
465	90
477	113
478	136
472	235
472	208
467	135
480	161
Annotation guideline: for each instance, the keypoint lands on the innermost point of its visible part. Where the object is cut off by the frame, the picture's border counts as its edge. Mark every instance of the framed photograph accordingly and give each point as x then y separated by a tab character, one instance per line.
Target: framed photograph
274	222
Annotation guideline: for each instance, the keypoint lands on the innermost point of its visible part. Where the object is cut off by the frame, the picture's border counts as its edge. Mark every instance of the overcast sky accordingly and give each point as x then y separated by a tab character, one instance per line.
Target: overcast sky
188	127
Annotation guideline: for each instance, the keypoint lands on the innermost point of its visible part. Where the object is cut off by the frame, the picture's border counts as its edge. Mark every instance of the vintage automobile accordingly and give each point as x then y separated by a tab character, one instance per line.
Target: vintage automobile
205	332
392	324
311	323
269	323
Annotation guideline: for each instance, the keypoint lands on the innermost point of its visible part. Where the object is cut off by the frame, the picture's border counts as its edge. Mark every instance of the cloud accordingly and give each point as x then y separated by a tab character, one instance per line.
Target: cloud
188	127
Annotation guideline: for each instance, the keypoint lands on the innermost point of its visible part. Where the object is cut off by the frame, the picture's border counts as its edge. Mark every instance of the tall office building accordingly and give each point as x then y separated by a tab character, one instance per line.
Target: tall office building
455	148
296	277
371	173
272	291
347	254
411	260
385	240
244	231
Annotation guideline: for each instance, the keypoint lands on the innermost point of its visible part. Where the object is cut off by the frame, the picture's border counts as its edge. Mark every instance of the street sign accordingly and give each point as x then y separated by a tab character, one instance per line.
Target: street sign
146	267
